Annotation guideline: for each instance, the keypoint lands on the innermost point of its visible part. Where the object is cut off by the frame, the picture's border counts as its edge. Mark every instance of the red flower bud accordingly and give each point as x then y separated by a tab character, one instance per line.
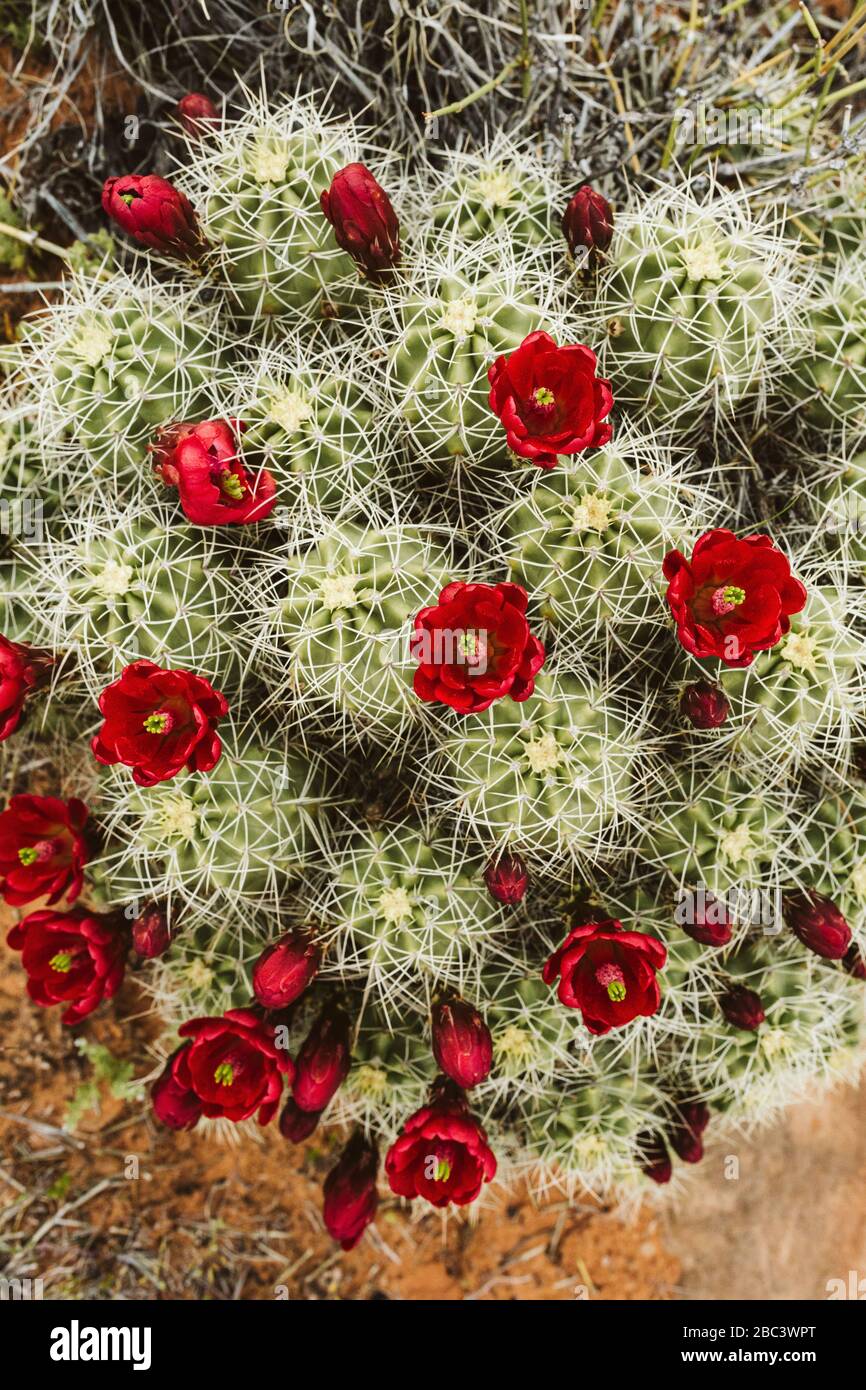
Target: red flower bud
655	1161
588	223
855	963
156	213
197	113
711	925
704	705
462	1044
284	969
685	1135
323	1062
507	878
364	221
296	1124
817	922
350	1191
742	1007
150	933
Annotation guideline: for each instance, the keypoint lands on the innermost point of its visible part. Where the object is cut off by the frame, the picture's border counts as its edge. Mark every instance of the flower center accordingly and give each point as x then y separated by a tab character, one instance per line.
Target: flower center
129	197
231	486
62	962
473	648
443	1170
726	599
543	396
613	980
224	1074
38	853
159	723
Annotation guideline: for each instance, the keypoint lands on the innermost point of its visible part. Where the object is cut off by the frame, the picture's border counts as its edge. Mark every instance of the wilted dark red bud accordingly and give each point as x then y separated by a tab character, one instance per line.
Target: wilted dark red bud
284	969
462	1044
156	213
150	933
817	922
742	1007
350	1191
322	1064
704	705
296	1124
855	963
707	920
588	223
364	222
655	1161
507	878
197	113
684	1135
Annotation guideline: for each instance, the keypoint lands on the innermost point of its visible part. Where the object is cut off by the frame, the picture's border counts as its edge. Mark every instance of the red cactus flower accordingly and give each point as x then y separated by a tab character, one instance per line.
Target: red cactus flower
507	879
23	669
296	1124
364	221
475	647
655	1161
42	849
155	213
733	598
322	1064
150	933
441	1153
817	922
285	969
587	223
550	400
158	722
350	1192
197	113
230	1068
74	958
215	487
742	1007
462	1044
607	973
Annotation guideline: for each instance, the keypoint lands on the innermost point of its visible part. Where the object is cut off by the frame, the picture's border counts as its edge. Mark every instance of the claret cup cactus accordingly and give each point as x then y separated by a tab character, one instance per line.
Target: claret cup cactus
451	718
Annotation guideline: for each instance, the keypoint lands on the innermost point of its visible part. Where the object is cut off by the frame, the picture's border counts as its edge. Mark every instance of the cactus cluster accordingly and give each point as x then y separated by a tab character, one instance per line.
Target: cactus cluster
341	830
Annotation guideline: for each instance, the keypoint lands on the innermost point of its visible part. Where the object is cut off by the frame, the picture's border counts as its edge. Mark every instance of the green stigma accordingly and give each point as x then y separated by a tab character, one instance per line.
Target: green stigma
544	396
443	1171
156	723
224	1074
616	991
28	855
128	198
62	962
232	486
734	595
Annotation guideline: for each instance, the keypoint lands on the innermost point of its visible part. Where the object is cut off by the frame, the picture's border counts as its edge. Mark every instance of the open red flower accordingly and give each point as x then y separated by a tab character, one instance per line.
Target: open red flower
22	670
475	646
608	973
550	400
204	463
733	598
350	1191
230	1068
74	958
42	849
441	1153
363	218
155	213
158	722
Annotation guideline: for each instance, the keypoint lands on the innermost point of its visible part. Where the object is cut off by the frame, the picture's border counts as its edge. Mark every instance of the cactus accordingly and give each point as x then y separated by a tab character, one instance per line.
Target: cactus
334	622
826	386
700	303
501	188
